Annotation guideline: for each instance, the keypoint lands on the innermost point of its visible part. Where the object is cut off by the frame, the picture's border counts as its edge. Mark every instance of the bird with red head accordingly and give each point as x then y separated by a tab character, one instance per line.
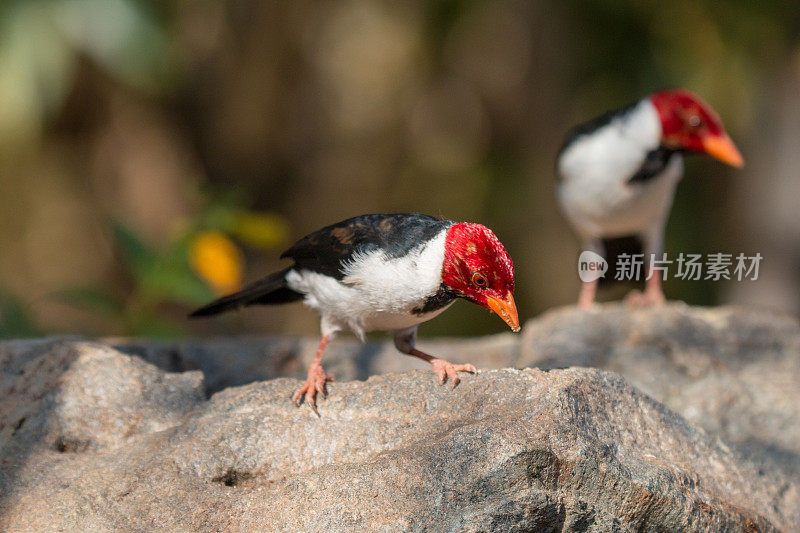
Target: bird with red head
618	173
690	124
478	268
386	272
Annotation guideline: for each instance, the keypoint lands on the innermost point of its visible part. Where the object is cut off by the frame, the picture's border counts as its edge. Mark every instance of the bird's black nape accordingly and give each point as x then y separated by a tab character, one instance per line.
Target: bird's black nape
271	290
591	126
653	165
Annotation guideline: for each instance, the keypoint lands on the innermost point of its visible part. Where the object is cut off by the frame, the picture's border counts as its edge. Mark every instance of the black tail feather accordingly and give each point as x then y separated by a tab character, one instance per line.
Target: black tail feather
268	291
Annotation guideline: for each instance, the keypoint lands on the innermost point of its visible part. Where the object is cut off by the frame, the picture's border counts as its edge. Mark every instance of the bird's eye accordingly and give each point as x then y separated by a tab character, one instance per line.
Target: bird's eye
695	121
478	279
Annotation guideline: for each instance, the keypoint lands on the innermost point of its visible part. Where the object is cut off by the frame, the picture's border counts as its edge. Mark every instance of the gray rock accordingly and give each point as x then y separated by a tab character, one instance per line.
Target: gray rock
94	438
76	395
231	362
733	372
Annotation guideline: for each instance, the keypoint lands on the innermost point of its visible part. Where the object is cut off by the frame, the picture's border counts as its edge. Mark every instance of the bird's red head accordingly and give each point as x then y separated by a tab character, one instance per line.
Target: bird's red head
689	123
478	268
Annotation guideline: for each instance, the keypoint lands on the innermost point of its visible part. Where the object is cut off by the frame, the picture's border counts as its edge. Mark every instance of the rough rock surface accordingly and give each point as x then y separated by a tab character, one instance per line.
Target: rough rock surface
733	372
94	438
237	361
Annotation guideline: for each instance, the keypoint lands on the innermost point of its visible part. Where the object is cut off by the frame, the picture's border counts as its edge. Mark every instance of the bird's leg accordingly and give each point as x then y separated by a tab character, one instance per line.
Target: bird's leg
653	244
652	295
587	294
404	341
315	382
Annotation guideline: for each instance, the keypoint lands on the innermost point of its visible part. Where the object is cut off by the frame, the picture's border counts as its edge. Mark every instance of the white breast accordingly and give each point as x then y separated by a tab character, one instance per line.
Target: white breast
595	168
378	292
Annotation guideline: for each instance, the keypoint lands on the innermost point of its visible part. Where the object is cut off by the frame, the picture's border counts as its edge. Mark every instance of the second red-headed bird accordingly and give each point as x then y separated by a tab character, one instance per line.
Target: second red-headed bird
618	174
386	272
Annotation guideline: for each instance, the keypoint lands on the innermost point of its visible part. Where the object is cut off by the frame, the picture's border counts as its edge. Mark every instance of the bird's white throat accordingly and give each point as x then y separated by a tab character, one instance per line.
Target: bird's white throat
615	149
596	167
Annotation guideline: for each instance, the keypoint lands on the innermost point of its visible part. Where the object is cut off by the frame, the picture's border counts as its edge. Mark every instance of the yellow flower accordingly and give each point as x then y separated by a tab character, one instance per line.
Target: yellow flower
218	261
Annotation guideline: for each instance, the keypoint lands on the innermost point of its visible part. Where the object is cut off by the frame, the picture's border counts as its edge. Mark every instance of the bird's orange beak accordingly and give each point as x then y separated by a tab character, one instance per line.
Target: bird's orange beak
721	147
505	309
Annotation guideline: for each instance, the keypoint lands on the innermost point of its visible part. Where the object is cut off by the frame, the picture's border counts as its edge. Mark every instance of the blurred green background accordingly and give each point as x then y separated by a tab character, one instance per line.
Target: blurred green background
156	153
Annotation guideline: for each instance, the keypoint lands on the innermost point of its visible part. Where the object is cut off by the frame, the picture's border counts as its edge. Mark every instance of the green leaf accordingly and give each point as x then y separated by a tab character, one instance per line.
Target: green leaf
261	230
91	299
14	318
220	217
36	71
156	327
120	35
176	282
139	257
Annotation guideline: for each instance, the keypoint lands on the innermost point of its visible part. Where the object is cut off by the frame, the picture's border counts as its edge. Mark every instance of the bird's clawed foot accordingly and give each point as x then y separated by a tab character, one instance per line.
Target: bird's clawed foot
645	299
446	370
315	383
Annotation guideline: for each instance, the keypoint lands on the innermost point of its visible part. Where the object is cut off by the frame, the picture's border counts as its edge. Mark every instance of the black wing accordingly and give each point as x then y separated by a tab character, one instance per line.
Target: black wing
654	164
326	250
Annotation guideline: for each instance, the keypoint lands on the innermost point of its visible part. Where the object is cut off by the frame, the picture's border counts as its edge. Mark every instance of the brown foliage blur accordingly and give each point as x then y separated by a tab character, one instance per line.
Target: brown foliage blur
152	115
